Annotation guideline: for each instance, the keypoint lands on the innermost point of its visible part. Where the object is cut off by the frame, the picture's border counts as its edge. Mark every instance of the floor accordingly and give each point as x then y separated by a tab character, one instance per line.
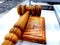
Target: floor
7	5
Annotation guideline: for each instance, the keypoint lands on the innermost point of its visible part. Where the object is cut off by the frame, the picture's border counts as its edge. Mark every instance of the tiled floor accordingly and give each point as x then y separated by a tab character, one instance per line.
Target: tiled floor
8	5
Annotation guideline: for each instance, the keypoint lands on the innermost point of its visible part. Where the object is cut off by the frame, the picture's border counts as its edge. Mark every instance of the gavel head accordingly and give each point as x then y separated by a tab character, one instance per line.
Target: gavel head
35	10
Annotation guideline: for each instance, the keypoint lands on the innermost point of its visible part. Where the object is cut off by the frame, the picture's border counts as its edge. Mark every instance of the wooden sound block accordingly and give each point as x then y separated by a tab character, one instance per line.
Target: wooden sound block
35	30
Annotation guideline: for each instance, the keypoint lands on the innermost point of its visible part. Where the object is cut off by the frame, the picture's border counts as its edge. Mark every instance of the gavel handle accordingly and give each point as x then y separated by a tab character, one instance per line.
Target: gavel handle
15	33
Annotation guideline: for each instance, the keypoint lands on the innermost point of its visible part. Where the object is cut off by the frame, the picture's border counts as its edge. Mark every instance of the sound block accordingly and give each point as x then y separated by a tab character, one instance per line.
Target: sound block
35	30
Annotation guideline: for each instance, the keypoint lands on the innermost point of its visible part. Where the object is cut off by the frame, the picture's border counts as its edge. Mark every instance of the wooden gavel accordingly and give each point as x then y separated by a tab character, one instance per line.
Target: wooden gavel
16	31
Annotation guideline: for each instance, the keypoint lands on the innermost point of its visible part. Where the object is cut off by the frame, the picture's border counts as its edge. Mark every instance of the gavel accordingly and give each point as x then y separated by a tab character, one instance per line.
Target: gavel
35	10
17	30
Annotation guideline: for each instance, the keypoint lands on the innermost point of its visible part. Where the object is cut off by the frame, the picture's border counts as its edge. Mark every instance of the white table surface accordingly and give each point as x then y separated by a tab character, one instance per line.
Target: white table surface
57	11
52	27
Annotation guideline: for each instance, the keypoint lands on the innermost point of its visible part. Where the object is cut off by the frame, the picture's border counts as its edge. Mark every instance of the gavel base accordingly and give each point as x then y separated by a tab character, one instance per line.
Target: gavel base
35	30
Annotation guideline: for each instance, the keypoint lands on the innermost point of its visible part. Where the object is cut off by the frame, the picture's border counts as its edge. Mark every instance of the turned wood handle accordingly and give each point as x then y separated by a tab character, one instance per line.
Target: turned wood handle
21	23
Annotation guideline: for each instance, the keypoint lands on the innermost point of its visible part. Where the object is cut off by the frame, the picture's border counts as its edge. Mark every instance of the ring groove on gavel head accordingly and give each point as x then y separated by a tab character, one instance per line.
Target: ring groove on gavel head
16	31
11	37
33	10
38	10
7	42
